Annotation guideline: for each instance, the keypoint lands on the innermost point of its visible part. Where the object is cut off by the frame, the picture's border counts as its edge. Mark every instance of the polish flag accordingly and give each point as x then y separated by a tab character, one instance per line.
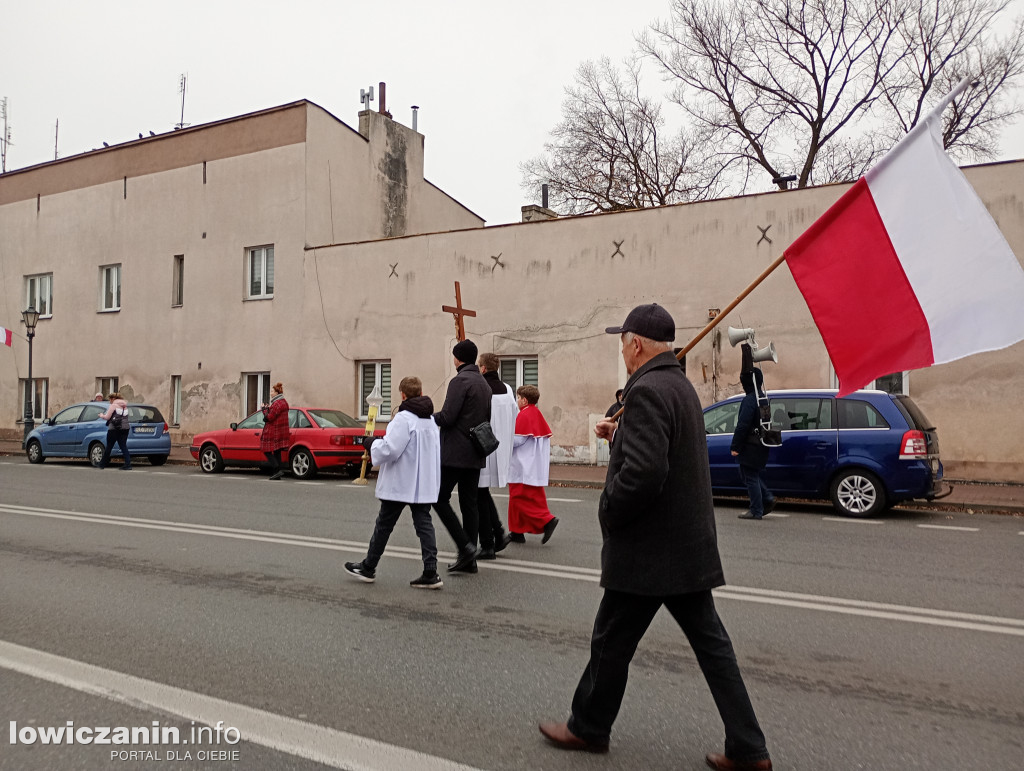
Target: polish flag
908	268
5	335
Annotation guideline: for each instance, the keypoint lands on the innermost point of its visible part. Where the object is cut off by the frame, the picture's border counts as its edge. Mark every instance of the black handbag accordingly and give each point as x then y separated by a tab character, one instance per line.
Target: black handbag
483	439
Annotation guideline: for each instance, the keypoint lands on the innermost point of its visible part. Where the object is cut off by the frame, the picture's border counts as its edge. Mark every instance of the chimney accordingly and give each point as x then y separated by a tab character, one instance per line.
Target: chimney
415	116
534	213
382	109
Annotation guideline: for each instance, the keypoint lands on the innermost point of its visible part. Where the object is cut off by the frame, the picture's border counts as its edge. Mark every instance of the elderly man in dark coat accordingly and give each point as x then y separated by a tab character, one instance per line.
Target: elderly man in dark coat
660	548
466	404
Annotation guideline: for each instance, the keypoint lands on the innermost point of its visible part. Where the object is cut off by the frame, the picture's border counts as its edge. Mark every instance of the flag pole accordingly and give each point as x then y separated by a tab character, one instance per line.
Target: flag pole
717	319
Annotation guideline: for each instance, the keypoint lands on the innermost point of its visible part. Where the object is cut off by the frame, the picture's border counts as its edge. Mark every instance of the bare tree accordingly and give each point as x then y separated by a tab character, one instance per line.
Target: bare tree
611	151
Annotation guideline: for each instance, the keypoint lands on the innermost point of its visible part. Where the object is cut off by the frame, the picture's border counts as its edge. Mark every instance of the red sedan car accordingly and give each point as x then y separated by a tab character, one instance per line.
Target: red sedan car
320	439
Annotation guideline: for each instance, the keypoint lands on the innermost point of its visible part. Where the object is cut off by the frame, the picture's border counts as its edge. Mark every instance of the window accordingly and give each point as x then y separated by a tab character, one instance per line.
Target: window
175	400
896	383
110	288
37	393
39	293
91	412
722	419
801	414
178	281
855	413
260	272
371	373
106	386
519	372
257	390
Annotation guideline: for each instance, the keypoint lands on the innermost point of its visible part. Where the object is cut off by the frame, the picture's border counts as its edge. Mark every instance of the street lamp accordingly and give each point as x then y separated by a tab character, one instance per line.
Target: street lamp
30	317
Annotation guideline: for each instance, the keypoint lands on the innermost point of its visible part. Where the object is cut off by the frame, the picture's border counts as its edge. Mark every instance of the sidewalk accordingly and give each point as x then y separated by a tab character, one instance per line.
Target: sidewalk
967	496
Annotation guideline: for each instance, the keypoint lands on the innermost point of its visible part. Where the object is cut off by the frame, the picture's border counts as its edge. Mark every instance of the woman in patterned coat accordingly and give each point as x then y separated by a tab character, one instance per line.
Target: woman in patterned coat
275	437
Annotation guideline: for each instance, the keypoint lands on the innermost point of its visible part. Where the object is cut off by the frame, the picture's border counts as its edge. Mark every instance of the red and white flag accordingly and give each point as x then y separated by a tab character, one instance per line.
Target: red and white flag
908	268
5	335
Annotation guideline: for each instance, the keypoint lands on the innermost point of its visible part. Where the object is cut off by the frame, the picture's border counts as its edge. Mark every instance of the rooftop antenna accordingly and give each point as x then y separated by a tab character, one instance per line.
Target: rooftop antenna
366	97
5	138
181	88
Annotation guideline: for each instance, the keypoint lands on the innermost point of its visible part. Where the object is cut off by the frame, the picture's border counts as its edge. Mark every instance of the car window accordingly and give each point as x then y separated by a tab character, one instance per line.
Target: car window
856	413
70	415
721	419
92	412
800	413
253	421
334	419
298	419
143	413
915	418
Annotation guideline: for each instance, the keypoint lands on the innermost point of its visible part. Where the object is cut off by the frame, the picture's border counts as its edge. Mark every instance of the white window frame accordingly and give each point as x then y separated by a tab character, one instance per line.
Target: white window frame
378	377
178	281
258	382
39	294
265	256
109	273
175	400
40	398
833	381
106	385
520	362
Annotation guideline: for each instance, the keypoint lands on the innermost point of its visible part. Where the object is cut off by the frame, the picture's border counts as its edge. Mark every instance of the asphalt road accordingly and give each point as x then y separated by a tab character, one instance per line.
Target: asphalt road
170	596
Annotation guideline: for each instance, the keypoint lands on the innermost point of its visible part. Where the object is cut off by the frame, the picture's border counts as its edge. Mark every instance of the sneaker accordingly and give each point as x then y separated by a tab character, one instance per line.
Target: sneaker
360	571
427	581
748	515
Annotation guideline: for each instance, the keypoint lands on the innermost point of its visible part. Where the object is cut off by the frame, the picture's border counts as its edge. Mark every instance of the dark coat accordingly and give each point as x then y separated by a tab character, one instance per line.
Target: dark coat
467	404
276	434
656	512
746	439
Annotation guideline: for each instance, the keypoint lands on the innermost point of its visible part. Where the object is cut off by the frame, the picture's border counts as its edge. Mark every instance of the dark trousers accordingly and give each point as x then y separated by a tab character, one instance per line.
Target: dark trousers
621	622
491	528
464	533
758	491
274	459
121	437
390	511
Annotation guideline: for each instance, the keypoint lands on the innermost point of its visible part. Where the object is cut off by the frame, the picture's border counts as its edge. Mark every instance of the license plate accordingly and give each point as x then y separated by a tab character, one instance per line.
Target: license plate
145	429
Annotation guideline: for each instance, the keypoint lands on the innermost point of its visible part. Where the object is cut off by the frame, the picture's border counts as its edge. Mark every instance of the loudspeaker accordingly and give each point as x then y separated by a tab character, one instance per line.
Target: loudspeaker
737	336
764	354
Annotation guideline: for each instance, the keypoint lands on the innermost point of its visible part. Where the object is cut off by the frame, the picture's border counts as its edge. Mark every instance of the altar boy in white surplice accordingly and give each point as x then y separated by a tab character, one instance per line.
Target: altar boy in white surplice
528	473
504	410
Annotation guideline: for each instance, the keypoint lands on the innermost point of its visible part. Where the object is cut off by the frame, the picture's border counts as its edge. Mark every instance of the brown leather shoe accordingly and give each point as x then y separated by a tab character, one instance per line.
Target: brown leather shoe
560	735
722	763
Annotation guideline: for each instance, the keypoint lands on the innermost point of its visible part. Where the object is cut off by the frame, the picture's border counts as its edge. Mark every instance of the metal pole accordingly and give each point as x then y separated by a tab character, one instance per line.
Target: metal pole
29	421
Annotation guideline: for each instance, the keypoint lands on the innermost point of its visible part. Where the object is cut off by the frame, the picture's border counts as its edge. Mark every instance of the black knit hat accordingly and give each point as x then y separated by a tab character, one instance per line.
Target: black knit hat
465	351
650	321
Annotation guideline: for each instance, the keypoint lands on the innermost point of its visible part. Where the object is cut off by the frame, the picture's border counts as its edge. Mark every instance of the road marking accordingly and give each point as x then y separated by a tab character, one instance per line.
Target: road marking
164	473
775	515
310	483
557	500
950	527
318	743
853	520
935	617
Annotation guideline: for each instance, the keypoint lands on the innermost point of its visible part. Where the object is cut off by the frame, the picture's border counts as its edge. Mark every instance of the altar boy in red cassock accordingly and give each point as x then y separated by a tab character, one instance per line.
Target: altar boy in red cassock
528	472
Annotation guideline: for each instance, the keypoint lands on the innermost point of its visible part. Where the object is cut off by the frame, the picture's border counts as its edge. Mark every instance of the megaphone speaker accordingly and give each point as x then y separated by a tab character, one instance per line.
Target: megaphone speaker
737	336
764	354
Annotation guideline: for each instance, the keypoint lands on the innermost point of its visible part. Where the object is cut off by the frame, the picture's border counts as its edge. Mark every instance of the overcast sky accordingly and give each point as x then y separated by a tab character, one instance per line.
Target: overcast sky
488	77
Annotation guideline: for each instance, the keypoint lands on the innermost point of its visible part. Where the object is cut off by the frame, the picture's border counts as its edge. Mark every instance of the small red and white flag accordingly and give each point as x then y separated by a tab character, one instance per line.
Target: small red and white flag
5	335
908	269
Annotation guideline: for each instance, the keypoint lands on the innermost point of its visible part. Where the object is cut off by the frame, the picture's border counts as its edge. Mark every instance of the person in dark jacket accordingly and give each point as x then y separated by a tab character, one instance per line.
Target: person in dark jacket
747	448
660	548
275	437
466	404
615	407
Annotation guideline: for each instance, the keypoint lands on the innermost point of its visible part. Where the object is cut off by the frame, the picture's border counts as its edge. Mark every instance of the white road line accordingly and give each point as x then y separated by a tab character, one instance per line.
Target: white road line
163	473
316	484
855	521
776	515
950	527
557	500
935	617
318	743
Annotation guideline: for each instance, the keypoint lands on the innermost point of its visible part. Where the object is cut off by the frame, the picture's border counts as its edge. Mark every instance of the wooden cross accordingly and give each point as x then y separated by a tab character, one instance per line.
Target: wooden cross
458	312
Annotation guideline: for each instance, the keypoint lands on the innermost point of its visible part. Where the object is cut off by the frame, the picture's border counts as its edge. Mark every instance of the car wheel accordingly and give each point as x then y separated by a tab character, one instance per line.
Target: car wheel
303	465
857	493
210	460
96	450
157	460
34	451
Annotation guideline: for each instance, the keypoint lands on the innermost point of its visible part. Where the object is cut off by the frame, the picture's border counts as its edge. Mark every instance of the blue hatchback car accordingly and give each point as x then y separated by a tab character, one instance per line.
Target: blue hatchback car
78	432
864	452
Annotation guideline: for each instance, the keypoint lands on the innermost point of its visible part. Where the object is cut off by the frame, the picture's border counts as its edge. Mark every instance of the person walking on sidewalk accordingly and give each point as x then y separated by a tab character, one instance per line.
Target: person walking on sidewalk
660	548
504	410
748	450
528	510
467	404
118	430
276	436
409	456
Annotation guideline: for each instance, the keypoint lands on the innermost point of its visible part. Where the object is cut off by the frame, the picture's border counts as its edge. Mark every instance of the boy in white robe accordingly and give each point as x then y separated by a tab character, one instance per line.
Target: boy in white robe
409	456
504	410
528	473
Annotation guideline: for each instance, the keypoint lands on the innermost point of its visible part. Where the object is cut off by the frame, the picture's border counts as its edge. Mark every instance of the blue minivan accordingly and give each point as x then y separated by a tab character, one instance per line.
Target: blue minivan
78	432
864	452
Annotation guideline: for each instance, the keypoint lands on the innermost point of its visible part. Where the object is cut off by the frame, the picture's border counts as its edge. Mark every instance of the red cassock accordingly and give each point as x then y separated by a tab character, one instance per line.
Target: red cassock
528	505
